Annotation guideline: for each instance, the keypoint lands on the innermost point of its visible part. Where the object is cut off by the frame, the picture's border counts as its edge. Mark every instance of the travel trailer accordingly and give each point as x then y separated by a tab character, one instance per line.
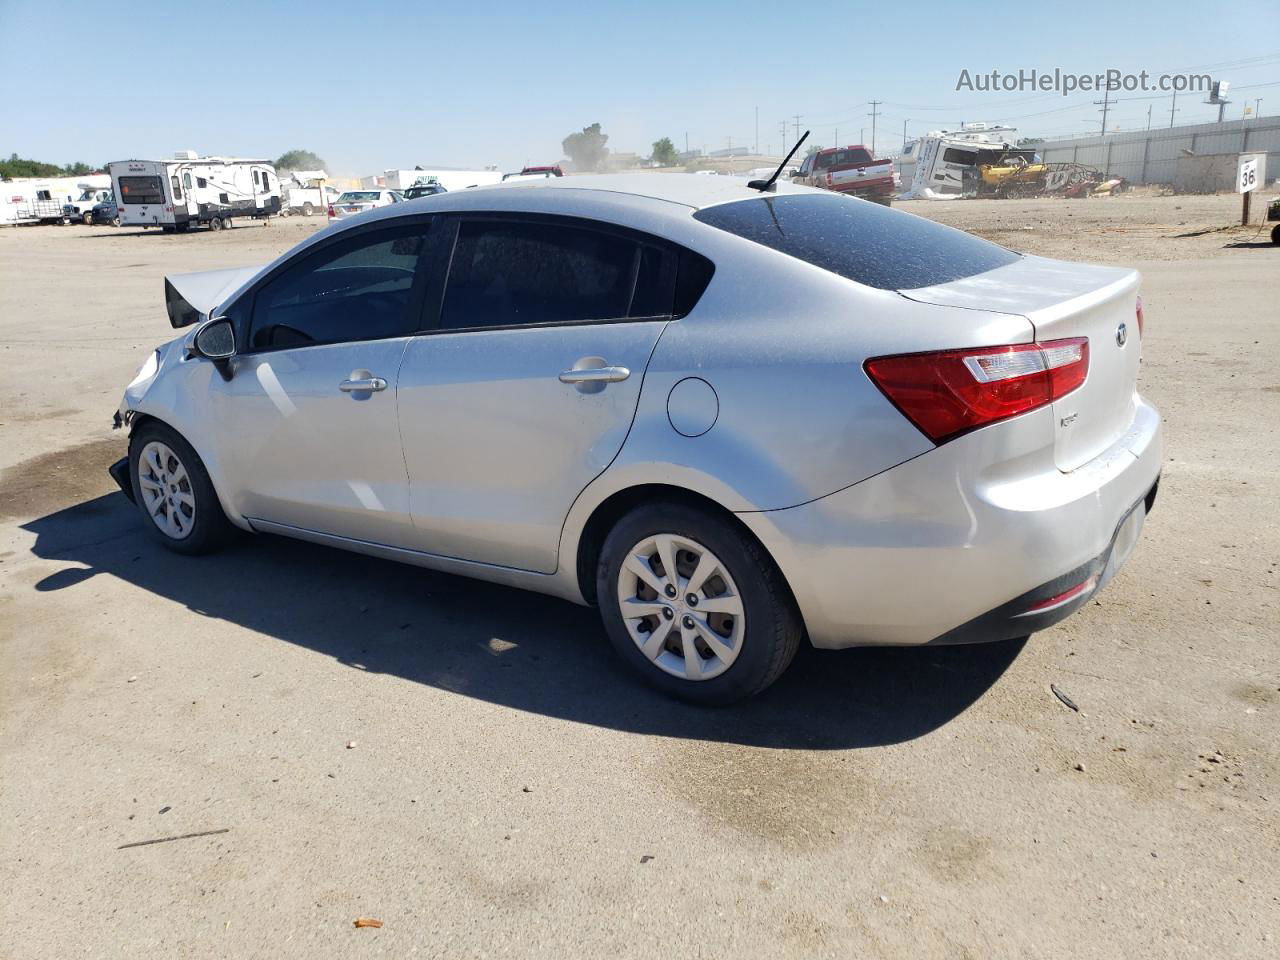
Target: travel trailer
44	199
946	162
189	189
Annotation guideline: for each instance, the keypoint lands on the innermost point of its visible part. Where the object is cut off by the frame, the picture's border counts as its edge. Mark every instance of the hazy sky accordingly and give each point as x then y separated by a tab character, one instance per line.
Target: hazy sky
371	85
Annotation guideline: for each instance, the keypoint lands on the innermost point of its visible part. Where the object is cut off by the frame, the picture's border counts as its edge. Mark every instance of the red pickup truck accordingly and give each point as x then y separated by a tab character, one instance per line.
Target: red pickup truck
848	170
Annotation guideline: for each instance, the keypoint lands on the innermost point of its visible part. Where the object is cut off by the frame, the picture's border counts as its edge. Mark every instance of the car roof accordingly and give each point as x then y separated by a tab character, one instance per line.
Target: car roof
686	189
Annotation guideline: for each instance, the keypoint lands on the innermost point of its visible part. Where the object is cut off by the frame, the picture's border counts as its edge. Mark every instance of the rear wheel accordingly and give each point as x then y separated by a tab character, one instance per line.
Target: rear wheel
173	492
87	218
695	605
1275	233
215	224
308	209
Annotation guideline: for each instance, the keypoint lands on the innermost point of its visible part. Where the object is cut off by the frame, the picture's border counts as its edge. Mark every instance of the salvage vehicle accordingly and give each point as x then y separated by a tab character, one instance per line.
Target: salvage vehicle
105	212
353	202
734	416
849	170
81	209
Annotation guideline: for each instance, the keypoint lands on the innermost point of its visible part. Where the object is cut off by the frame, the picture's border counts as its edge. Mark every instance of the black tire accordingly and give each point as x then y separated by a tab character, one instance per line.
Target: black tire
1275	234
226	222
210	528
87	218
183	227
772	630
115	221
215	224
308	209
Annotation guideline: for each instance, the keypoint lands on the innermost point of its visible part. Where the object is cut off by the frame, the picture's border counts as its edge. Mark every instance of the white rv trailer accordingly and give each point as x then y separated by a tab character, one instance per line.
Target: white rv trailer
42	199
946	161
189	189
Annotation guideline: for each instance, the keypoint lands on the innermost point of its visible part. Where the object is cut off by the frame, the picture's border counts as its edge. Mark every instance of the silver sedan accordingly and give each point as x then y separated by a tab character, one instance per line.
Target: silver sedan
732	419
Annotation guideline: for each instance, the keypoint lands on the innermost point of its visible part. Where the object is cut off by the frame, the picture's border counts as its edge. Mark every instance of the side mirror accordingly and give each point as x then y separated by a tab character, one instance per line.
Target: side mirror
216	341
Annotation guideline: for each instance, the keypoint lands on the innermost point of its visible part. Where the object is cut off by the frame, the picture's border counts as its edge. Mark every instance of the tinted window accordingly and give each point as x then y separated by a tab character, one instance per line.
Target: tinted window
141	190
842	156
859	240
952	155
358	290
522	272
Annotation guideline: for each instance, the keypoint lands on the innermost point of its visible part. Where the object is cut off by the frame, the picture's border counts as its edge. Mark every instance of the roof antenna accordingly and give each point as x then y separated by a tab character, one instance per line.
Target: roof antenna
770	185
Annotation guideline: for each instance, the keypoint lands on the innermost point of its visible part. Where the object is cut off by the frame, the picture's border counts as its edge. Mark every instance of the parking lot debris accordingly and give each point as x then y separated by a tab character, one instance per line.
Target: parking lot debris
351	744
366	922
646	858
165	809
1080	767
133	680
1063	697
182	836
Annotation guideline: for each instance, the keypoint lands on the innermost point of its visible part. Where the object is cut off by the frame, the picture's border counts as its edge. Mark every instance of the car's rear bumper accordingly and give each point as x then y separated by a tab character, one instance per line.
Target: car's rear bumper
947	547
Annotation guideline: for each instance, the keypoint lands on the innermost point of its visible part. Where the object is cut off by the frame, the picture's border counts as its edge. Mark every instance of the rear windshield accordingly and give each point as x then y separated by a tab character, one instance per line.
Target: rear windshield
859	240
141	190
842	156
359	196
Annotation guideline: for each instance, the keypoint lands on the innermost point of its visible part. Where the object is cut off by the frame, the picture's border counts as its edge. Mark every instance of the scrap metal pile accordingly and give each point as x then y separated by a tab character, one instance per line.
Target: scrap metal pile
1013	177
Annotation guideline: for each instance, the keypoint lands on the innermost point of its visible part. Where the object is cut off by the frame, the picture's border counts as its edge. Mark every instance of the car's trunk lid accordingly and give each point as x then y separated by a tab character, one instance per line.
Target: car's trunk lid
1065	300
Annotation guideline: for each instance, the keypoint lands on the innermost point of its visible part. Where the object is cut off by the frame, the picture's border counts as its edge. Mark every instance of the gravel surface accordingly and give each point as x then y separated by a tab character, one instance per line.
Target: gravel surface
319	737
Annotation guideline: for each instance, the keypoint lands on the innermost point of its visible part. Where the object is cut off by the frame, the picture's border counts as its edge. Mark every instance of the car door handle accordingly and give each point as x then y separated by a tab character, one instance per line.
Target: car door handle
595	375
363	385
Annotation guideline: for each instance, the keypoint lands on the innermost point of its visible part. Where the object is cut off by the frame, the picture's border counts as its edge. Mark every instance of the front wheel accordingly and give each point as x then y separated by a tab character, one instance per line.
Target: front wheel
87	218
1275	234
695	605
308	209
173	492
215	224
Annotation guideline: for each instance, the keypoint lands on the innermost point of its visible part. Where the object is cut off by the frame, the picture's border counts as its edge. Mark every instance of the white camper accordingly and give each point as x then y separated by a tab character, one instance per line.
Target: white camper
946	161
175	194
44	199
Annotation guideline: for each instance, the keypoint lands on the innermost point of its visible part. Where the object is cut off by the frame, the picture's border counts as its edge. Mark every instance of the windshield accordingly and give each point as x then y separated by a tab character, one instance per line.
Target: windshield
359	196
859	240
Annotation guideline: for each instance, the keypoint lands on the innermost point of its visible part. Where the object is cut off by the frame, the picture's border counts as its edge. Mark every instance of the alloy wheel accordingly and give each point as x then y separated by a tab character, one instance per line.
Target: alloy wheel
681	607
166	490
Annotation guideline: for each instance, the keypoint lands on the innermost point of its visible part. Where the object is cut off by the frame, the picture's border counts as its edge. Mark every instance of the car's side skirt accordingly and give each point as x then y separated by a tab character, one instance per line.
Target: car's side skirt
507	576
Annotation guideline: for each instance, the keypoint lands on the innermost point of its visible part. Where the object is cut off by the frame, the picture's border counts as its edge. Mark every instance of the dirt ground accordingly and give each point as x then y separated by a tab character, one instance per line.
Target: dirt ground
331	737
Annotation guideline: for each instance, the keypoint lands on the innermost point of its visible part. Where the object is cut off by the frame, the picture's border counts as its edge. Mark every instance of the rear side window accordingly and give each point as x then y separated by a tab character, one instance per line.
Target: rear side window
141	190
859	240
519	273
358	290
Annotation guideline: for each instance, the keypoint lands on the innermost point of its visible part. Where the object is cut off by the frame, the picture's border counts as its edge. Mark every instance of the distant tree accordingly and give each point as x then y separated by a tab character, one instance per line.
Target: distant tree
664	153
1028	141
16	166
77	169
299	160
813	148
587	149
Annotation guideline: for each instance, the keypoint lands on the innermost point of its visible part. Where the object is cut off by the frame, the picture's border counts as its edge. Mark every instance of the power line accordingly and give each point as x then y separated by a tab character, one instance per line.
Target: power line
873	114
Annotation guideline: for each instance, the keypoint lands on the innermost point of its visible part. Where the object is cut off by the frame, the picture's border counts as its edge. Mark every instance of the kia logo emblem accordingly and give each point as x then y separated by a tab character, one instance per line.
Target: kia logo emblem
1122	334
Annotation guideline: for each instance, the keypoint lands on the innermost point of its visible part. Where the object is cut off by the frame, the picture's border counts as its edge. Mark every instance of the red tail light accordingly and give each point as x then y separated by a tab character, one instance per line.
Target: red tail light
1141	318
331	213
951	392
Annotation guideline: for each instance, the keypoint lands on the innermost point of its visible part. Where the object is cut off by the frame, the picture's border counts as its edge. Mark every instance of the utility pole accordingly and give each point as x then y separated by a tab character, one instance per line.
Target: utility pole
1105	103
904	133
686	146
797	117
1148	116
875	104
783	149
755	146
1257	108
1173	107
836	137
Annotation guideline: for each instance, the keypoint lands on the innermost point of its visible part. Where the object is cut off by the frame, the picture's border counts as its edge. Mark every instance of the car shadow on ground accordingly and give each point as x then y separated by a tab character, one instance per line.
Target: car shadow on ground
507	646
